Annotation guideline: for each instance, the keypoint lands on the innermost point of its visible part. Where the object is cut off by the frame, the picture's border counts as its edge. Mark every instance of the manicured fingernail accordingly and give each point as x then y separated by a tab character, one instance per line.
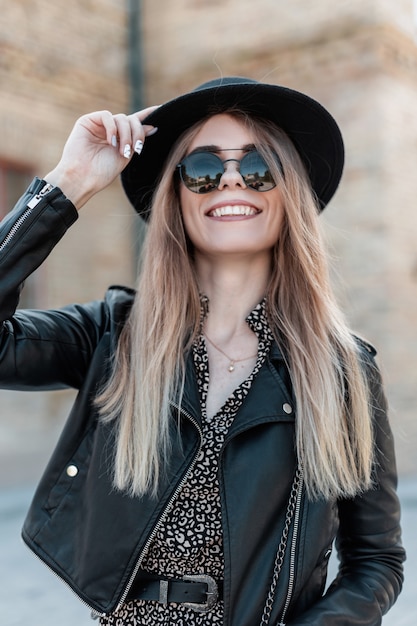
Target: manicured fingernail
127	151
114	141
152	131
138	146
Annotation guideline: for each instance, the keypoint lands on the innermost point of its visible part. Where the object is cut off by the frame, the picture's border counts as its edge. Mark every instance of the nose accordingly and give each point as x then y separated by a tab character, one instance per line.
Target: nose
231	176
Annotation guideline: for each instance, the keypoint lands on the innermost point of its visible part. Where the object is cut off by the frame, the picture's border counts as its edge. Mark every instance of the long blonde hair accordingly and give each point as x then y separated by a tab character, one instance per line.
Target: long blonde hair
333	425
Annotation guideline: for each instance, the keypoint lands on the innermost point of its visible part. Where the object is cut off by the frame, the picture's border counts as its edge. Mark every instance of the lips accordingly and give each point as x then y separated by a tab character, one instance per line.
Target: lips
228	210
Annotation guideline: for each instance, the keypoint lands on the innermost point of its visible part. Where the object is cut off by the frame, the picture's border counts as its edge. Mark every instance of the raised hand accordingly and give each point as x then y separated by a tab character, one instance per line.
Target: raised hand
97	150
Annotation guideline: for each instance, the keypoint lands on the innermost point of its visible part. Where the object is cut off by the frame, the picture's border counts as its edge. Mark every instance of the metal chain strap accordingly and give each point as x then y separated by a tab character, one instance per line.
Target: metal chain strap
279	559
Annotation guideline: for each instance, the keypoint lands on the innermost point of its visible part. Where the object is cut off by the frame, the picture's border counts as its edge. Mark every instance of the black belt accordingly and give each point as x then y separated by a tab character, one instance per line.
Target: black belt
197	591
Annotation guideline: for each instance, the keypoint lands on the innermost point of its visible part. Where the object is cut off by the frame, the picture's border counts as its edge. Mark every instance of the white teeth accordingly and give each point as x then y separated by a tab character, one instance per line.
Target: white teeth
235	209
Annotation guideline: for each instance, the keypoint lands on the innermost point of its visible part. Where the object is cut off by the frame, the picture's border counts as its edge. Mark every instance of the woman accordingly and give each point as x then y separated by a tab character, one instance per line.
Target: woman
228	425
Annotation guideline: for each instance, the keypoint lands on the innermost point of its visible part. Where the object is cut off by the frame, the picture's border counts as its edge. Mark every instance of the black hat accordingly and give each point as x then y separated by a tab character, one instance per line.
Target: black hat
311	128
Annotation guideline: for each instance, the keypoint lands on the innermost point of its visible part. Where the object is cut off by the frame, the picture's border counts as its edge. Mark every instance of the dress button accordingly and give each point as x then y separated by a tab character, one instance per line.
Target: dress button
72	470
287	408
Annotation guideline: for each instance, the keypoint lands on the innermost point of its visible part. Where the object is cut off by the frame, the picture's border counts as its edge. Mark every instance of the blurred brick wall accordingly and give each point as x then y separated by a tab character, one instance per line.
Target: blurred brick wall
359	58
59	60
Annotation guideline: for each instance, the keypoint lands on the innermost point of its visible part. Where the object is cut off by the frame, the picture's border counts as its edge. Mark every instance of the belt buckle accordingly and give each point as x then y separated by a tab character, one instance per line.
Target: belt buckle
212	592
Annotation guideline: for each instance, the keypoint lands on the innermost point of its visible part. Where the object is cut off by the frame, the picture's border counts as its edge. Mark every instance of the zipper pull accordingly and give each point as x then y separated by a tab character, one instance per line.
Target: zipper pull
43	192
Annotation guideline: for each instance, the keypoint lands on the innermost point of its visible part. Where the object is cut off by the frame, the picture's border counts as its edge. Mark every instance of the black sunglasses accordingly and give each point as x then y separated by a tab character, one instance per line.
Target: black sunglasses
201	171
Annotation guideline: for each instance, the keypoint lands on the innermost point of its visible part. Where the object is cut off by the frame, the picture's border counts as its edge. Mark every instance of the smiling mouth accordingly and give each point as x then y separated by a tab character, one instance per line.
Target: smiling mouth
235	209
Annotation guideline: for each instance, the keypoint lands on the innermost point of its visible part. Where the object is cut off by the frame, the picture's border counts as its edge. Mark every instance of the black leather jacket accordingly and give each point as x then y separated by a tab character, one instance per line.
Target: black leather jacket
94	537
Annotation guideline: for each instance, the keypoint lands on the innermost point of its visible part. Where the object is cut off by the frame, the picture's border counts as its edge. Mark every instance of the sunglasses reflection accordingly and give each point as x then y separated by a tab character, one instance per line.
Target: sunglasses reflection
201	172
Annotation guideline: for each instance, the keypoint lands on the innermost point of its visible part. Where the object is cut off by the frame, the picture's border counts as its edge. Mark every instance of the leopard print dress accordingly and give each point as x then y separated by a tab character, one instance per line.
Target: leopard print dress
190	539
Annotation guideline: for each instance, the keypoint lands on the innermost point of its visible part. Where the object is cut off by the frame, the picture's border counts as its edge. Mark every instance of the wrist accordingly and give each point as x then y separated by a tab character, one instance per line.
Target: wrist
70	185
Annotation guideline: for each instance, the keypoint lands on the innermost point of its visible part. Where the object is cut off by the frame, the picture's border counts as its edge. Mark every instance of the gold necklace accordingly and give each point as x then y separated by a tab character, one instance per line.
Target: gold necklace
231	361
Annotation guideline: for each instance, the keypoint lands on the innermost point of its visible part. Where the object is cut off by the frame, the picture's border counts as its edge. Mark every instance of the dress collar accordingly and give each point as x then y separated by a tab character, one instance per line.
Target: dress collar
257	319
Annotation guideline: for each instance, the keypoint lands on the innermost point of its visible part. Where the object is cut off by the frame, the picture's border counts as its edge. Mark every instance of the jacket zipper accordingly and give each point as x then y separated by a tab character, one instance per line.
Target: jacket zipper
163	515
26	213
294	541
96	614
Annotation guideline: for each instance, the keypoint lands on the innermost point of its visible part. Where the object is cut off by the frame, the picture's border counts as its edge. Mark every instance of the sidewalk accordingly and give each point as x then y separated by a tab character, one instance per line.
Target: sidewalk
31	594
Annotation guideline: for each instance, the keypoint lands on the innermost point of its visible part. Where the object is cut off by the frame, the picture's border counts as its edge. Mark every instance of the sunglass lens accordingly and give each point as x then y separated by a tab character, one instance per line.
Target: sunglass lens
255	172
201	172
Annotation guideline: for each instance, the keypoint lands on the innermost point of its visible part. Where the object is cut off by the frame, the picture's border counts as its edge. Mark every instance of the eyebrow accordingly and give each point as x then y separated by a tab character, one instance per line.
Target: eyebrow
212	148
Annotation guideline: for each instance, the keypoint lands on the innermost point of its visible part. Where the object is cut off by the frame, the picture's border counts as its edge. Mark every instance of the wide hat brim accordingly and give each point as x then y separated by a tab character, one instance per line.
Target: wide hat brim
309	125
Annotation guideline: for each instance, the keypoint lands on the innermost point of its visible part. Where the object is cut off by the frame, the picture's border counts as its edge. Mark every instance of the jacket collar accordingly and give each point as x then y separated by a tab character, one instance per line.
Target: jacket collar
269	399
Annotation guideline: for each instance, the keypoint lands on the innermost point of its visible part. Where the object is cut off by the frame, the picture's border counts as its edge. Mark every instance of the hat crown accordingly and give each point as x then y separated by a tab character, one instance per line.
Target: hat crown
226	80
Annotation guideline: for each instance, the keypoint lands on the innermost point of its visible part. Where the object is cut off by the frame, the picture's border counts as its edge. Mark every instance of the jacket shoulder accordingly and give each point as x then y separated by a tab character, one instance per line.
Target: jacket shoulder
119	300
365	346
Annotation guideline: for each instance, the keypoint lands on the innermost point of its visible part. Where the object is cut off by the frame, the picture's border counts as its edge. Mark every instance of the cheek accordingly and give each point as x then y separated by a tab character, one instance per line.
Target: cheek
278	215
187	202
185	210
279	220
189	218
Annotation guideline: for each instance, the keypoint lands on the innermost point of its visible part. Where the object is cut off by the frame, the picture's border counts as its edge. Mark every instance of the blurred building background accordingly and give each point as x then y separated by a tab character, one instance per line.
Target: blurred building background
358	57
61	59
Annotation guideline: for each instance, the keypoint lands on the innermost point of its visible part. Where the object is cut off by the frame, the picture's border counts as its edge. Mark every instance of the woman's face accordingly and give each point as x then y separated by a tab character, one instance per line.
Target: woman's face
234	218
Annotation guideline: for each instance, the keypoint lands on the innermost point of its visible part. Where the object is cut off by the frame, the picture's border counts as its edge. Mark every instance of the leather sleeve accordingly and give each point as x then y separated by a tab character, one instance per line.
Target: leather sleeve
27	236
369	539
40	349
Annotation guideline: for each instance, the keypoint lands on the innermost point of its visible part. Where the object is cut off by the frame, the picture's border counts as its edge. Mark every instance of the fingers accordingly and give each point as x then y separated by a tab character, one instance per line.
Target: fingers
128	134
124	134
97	150
143	114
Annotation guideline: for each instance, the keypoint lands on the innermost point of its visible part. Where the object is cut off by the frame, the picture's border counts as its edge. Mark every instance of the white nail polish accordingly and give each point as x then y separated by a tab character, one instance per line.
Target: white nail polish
127	151
138	146
114	141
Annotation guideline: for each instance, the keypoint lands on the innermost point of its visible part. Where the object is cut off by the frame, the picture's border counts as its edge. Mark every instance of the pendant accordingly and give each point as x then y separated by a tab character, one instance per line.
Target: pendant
231	367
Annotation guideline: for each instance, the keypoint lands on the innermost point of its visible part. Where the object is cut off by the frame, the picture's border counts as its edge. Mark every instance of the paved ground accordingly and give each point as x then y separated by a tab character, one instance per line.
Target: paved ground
30	595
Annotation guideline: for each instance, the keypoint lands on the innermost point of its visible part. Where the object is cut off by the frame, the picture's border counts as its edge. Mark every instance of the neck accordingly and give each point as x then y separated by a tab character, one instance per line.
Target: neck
234	287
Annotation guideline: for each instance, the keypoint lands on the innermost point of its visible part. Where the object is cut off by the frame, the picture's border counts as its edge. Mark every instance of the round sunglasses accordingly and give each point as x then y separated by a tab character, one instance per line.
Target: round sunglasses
201	171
